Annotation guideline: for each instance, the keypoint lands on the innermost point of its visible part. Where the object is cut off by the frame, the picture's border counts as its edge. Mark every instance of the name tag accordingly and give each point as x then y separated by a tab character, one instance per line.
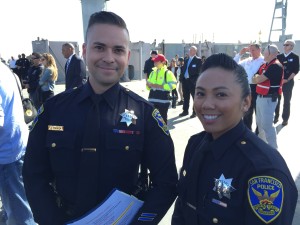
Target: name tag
55	128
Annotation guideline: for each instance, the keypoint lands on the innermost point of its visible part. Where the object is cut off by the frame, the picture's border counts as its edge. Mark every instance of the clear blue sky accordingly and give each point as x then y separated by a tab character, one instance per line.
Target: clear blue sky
22	21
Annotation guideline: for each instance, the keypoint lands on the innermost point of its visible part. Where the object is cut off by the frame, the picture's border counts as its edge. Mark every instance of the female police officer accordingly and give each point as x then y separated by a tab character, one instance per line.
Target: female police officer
229	176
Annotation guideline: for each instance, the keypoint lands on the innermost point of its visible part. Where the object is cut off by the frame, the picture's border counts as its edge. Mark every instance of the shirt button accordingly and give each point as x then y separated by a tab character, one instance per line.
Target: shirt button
215	220
127	148
53	145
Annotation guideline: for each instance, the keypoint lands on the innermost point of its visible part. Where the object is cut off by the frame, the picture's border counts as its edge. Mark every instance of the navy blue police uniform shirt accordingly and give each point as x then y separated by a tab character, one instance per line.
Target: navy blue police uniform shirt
55	141
241	180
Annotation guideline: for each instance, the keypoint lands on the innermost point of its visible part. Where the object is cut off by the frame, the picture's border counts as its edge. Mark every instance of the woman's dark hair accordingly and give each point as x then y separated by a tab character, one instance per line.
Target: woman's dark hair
226	62
104	17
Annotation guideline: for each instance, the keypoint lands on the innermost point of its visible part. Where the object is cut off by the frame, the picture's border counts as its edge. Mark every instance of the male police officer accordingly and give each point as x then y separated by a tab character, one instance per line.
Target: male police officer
88	141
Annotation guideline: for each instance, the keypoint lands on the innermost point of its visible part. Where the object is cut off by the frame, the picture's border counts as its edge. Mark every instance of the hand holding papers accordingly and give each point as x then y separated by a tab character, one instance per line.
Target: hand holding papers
119	208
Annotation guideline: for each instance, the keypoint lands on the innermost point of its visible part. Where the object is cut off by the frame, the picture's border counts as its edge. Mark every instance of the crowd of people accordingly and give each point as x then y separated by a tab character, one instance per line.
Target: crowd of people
276	81
36	73
97	135
181	86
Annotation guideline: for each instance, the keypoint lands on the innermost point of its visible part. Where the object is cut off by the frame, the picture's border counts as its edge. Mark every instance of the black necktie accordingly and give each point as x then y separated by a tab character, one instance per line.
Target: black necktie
87	191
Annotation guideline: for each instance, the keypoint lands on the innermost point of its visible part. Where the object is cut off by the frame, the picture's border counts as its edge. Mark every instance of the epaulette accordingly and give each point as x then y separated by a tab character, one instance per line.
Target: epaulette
134	95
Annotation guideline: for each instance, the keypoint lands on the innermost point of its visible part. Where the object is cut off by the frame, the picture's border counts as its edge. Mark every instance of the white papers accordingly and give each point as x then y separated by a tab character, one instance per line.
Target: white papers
118	209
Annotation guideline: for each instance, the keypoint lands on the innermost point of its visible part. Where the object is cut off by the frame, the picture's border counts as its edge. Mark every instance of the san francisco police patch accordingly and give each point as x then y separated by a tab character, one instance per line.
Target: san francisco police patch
265	195
160	121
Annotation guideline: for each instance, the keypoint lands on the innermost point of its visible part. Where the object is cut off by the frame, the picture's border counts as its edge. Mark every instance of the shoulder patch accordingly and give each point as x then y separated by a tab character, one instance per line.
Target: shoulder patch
265	195
160	121
39	112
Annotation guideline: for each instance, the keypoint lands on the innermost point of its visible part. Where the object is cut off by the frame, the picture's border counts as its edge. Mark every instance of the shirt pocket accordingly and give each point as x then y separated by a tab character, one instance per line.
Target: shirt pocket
225	211
123	150
62	152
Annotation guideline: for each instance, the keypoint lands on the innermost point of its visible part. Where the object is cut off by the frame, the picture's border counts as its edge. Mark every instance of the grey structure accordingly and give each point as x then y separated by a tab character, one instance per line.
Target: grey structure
54	48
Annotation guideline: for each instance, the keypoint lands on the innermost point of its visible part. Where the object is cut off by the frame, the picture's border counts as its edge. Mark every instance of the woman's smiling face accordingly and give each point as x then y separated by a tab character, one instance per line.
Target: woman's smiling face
218	101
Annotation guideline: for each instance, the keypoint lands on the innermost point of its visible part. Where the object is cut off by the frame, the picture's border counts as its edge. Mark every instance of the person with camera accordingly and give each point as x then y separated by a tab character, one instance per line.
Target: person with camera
269	86
251	64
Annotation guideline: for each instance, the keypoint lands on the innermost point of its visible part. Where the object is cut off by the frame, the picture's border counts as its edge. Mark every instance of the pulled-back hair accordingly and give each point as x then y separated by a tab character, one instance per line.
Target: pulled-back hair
226	62
104	17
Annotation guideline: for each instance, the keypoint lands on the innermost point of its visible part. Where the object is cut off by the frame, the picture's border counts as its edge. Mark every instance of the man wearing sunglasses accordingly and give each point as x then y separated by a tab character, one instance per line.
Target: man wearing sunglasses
290	62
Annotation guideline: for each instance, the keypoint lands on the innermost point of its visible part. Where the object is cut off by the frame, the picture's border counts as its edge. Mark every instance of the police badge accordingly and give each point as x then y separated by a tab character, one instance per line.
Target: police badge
223	187
128	117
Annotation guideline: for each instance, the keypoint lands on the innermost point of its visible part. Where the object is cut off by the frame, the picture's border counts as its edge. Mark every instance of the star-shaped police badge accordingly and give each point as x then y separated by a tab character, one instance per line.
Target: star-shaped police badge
128	117
223	187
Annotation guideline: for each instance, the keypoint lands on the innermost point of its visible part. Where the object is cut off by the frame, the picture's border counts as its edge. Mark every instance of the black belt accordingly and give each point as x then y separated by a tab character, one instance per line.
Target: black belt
265	96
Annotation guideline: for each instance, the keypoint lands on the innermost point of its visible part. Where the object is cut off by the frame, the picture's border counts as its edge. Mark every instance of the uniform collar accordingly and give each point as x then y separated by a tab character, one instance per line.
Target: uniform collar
110	96
223	143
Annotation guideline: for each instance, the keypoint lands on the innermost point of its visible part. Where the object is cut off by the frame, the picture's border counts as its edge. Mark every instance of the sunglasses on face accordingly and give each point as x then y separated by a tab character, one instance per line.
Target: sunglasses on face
286	45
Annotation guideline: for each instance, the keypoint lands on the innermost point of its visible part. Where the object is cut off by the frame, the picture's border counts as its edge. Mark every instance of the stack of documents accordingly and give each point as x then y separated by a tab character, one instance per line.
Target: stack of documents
118	208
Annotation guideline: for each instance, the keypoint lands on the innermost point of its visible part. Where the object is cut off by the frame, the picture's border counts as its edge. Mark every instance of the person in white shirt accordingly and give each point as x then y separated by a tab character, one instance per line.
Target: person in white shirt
12	64
251	65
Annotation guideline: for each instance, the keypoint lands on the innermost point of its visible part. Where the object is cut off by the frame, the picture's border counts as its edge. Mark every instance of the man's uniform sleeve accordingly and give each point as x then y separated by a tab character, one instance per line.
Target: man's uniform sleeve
160	159
37	174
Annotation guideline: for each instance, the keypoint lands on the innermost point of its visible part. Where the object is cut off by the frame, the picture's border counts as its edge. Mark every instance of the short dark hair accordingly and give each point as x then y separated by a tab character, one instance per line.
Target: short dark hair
153	52
69	45
37	55
258	46
226	62
104	17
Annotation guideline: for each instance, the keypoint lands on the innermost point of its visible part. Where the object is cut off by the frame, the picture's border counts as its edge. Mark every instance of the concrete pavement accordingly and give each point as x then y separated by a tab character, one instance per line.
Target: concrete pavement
181	128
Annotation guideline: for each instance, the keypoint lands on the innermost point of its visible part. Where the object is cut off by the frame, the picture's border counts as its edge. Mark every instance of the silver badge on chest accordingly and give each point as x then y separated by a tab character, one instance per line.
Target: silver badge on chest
223	187
128	117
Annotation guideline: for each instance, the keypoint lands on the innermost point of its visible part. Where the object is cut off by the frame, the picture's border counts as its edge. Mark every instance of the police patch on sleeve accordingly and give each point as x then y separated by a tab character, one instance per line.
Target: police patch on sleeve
265	195
39	112
160	121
